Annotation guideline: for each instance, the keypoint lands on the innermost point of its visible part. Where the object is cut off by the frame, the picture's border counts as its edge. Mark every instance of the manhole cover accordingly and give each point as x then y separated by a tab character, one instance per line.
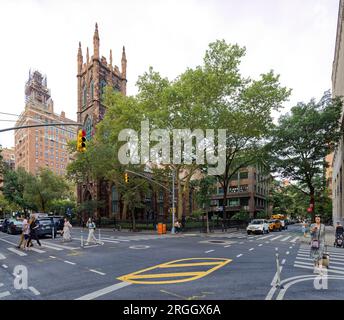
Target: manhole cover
217	241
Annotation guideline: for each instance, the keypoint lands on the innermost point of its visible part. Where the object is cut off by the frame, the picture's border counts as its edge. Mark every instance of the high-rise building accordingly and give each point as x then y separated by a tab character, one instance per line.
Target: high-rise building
338	91
42	146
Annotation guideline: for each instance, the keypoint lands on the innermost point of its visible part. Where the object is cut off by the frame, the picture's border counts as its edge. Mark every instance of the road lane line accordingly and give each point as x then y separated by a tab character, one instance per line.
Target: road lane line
275	238
286	238
37	250
4	294
265	237
19	253
51	247
34	291
227	246
60	246
291	247
251	249
104	291
259	245
10	242
283	261
95	271
297	265
52	257
209	251
4	266
295	239
267	242
239	255
287	252
2	257
72	263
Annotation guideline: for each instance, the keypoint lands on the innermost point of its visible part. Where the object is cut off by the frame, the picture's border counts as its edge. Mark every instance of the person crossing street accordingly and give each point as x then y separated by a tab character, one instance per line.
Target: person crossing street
91	228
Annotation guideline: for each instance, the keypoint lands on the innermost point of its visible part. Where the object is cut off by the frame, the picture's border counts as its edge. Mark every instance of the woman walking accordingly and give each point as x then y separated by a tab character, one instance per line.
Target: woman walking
33	234
91	227
66	230
317	231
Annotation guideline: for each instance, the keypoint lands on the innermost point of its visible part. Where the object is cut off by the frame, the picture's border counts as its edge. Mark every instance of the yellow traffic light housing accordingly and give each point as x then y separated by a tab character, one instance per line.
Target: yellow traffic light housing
81	141
126	178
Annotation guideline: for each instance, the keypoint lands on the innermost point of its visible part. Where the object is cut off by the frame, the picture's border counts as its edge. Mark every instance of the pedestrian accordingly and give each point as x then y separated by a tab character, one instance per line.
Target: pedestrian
91	227
21	241
26	233
66	230
33	231
304	229
177	226
317	231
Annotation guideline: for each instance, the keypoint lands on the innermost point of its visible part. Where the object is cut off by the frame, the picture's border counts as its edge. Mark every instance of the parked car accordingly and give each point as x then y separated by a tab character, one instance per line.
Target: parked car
15	227
58	222
275	225
258	226
5	224
45	227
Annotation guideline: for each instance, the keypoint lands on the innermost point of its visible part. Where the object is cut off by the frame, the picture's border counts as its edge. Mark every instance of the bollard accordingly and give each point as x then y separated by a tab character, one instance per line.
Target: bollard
82	239
278	280
52	233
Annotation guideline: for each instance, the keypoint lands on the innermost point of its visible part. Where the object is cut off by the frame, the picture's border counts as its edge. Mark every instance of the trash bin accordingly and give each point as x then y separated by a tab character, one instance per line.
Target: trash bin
160	228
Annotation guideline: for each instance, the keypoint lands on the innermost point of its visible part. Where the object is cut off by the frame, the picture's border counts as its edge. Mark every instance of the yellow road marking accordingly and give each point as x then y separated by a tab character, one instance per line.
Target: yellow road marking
188	264
164	275
139	278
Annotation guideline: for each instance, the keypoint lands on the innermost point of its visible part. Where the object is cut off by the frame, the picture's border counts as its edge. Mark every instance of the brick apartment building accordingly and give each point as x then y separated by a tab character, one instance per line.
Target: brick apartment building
42	146
248	191
8	155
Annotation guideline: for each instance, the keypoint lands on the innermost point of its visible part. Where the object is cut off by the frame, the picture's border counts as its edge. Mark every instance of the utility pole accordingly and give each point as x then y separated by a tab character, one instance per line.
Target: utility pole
173	177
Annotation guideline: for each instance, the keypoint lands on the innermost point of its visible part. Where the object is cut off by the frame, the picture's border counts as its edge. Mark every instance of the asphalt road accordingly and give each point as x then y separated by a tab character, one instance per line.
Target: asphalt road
190	266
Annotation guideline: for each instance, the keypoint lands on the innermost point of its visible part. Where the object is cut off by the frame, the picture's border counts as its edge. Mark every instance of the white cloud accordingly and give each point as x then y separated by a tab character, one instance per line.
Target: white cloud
295	38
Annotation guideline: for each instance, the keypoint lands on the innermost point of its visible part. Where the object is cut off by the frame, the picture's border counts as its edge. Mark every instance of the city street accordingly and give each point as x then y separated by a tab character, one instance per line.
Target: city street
190	266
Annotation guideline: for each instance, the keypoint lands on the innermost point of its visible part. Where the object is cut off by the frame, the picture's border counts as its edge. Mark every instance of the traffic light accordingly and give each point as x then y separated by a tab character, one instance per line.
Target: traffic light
126	177
81	142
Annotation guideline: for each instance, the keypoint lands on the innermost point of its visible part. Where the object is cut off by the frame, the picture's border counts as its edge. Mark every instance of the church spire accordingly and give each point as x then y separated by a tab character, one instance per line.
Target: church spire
124	64
80	58
96	43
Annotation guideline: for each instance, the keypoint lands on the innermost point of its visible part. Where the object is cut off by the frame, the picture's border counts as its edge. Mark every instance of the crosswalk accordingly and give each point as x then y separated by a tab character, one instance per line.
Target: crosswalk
303	260
285	238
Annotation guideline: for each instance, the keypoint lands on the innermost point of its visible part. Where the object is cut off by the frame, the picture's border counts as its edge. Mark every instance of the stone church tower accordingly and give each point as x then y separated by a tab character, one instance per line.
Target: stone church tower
93	75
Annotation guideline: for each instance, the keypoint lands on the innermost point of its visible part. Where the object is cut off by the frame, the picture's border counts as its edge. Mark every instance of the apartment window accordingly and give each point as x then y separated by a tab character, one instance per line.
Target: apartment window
233	202
36	154
51	143
243	175
220	190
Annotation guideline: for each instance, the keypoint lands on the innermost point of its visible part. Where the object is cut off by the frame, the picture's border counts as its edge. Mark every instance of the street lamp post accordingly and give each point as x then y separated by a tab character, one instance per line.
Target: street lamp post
173	177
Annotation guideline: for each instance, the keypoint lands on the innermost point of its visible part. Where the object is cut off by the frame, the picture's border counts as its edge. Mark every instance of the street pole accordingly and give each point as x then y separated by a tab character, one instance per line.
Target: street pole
172	229
278	280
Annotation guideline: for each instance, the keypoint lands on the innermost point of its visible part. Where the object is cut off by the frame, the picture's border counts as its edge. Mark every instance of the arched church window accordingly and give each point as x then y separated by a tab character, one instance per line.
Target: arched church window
88	128
102	88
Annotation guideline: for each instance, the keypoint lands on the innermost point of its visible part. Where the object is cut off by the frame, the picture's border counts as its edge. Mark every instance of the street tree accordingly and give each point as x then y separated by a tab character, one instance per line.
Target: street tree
301	141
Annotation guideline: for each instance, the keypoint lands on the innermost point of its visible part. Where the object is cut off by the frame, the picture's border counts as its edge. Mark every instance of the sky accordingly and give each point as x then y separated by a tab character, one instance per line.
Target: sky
294	38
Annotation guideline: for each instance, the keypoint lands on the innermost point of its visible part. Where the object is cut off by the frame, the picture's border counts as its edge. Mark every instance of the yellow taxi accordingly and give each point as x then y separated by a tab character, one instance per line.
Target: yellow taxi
275	225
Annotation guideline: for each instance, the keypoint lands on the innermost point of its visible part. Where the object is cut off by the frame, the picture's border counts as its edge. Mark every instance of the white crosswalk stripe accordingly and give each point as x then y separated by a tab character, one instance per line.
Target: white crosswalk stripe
51	247
295	239
37	250
19	253
266	237
273	239
286	238
4	294
2	257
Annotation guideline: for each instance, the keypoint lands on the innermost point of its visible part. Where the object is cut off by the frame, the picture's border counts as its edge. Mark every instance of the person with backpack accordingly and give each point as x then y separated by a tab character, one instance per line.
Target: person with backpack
91	228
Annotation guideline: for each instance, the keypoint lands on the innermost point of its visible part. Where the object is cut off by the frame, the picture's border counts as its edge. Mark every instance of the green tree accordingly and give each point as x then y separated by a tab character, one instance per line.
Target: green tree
302	139
43	189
